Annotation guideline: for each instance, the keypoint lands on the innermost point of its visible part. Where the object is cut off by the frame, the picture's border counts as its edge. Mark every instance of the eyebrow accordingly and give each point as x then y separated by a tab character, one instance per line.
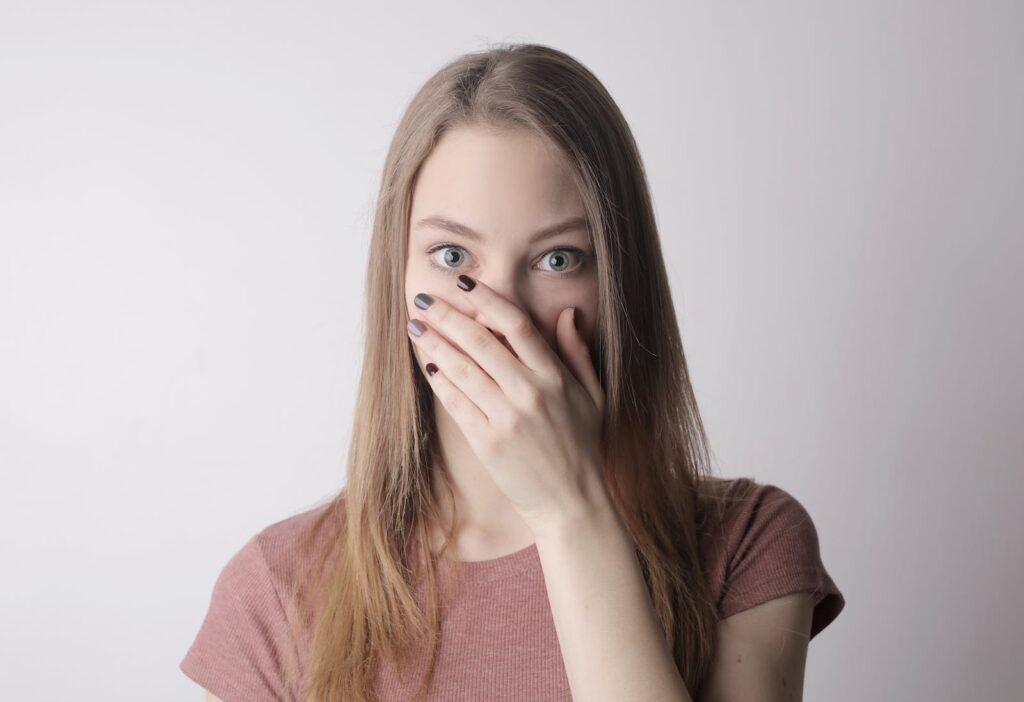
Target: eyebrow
448	225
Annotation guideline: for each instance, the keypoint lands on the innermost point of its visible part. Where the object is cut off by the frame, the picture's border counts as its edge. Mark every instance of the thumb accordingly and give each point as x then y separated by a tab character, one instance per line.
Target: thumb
576	355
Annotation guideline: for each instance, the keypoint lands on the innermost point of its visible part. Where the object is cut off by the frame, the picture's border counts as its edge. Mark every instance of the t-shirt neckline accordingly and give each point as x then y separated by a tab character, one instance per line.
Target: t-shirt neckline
505	566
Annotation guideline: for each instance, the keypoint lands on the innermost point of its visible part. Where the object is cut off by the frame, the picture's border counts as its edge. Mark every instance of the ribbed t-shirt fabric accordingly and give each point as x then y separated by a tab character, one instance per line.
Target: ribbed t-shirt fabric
498	640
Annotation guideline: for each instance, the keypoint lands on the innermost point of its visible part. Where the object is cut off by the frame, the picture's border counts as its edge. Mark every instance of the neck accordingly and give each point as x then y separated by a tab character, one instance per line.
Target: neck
485	514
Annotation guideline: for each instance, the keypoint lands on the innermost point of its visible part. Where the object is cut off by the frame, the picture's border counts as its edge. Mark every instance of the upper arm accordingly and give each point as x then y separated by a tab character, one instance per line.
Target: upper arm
761	652
210	697
244	649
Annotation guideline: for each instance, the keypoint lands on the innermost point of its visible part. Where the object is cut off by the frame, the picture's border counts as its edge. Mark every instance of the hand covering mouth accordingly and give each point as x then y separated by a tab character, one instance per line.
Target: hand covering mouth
504	342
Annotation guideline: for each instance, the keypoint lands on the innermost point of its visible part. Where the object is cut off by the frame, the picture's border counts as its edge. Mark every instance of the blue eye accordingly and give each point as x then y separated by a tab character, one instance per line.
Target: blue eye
455	255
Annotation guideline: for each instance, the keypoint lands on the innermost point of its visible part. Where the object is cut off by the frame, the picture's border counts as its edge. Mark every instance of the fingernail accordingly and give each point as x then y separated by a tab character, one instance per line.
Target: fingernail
573	313
416	327
423	301
466	283
431	369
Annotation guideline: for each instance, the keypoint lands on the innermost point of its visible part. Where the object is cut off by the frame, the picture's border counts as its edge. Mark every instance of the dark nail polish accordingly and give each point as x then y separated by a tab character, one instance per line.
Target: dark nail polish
423	301
466	283
431	369
416	327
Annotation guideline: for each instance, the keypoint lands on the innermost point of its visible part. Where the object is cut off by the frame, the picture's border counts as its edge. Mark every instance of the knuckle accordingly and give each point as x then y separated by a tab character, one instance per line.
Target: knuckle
459	371
514	422
455	404
442	313
493	447
520	325
533	397
558	382
481	339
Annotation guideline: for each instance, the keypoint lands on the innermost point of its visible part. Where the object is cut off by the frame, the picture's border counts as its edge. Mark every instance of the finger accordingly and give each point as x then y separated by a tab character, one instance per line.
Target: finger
500	314
577	357
461	372
477	342
464	411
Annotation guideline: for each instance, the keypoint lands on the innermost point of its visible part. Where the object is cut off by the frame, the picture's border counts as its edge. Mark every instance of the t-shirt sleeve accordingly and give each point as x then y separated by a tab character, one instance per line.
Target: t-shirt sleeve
777	554
241	648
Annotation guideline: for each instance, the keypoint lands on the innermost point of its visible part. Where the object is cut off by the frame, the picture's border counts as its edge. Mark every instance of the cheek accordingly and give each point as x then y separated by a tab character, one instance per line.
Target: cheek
416	277
586	318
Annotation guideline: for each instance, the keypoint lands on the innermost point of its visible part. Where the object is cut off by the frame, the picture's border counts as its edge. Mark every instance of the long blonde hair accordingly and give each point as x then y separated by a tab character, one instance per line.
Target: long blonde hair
359	606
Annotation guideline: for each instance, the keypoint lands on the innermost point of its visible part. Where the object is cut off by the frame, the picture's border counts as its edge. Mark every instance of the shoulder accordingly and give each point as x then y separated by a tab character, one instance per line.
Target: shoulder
249	629
758	543
740	513
288	545
273	557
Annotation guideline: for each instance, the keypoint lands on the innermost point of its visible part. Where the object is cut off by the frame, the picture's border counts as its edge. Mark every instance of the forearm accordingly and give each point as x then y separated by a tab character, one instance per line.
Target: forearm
611	641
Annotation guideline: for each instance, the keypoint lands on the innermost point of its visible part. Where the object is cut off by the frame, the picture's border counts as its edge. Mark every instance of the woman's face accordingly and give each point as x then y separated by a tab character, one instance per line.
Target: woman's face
506	187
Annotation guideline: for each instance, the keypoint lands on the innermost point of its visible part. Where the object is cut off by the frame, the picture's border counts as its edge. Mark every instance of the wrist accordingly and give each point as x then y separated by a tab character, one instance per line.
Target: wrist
593	512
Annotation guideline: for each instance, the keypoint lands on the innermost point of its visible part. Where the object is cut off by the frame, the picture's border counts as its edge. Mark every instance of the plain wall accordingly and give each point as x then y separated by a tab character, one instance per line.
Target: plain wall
186	191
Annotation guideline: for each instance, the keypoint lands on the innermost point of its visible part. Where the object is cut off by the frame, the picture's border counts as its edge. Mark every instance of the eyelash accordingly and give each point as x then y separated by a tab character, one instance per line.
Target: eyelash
582	255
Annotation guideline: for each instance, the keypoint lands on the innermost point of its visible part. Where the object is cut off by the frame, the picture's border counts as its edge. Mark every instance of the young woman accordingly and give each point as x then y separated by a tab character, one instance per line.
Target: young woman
529	511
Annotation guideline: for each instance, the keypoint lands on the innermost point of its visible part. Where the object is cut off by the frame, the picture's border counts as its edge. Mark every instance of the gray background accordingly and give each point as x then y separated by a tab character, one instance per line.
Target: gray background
185	200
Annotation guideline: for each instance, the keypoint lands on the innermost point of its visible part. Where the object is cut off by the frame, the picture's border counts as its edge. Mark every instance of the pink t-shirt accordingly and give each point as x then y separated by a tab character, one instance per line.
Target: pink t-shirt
499	639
